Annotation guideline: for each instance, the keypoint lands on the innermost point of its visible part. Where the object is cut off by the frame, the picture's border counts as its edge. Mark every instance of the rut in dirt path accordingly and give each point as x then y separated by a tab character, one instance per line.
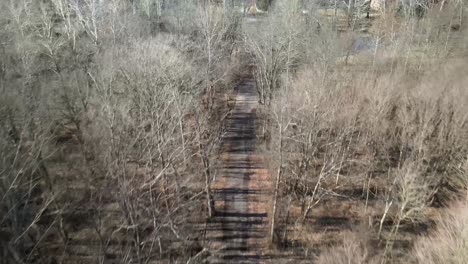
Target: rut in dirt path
238	232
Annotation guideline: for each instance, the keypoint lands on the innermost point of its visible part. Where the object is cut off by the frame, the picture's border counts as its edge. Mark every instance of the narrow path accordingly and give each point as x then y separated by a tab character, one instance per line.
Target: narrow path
238	233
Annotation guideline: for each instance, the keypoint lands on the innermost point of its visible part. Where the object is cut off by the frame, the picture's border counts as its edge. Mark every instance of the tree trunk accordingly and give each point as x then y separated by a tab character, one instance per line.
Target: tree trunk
275	204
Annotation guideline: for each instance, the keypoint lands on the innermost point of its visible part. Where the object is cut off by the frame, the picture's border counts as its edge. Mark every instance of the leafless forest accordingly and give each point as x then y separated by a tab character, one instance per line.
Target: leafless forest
114	116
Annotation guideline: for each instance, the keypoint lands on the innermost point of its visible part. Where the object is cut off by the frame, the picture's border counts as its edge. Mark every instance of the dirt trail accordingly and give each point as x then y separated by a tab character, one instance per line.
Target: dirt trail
238	233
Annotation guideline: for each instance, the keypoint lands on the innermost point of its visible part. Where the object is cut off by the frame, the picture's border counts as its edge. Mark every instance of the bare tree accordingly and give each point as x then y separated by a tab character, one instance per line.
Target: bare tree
412	197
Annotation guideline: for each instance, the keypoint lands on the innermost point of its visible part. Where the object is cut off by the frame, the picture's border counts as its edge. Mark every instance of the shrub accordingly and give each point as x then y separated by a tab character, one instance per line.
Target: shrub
353	250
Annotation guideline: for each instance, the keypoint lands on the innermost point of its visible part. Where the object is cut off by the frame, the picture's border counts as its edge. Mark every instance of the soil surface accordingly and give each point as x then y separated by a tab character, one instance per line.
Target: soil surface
238	231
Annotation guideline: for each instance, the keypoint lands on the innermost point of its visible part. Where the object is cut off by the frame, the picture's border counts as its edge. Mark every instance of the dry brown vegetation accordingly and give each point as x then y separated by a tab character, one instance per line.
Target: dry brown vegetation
111	115
447	244
363	129
109	128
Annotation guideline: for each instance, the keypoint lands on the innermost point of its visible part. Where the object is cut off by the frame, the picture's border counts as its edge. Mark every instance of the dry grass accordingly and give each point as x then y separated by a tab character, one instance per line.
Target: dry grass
353	249
449	242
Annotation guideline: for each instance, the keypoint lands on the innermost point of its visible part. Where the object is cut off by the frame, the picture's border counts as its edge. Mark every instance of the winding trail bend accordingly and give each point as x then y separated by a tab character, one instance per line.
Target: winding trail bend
238	232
